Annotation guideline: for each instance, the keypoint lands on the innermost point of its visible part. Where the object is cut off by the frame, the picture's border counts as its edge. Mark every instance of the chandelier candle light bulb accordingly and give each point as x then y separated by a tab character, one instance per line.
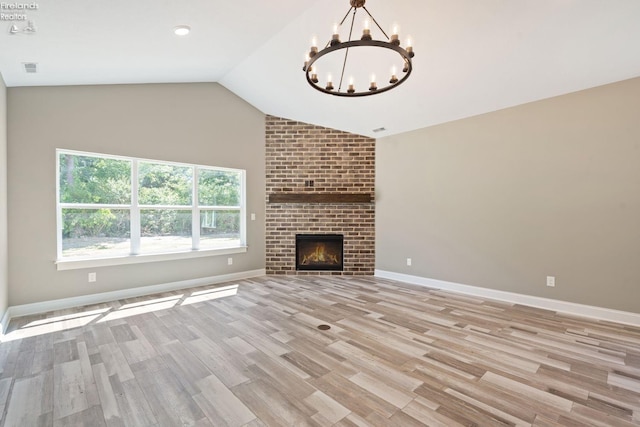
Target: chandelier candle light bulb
394	78
373	85
335	38
329	82
306	62
394	36
409	50
351	87
366	32
314	47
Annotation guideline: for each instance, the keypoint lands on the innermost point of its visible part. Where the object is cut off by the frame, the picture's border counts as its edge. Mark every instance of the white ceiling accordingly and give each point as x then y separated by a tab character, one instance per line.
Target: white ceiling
472	56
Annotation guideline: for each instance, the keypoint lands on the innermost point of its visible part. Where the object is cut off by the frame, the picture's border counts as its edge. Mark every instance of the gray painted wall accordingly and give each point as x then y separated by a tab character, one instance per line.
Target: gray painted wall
4	266
199	123
504	199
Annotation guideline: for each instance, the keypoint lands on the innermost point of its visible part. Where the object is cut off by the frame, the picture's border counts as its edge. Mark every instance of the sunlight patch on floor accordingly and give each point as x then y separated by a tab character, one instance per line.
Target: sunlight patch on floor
138	308
49	327
211	294
82	318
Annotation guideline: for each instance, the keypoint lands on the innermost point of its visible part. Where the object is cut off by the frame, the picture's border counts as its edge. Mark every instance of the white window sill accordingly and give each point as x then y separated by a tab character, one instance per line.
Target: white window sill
77	263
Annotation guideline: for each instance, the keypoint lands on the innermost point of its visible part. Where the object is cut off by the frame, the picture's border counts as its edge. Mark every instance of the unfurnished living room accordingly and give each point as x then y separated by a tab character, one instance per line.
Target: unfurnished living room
320	213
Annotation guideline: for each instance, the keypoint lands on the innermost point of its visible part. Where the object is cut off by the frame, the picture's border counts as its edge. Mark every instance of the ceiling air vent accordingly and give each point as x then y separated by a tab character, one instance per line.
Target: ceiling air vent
380	129
30	67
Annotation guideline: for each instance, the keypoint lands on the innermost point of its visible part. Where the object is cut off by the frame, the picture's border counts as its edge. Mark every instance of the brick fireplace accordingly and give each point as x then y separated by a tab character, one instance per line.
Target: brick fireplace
319	182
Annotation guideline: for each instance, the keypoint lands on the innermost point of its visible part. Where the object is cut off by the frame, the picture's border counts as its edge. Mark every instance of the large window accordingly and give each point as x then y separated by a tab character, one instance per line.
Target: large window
112	206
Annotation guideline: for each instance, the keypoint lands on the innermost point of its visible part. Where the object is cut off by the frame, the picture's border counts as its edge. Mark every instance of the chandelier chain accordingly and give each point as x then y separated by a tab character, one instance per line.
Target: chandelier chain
346	51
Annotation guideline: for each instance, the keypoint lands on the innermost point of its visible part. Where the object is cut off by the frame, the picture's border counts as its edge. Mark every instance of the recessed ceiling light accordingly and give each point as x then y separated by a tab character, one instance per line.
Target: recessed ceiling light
182	30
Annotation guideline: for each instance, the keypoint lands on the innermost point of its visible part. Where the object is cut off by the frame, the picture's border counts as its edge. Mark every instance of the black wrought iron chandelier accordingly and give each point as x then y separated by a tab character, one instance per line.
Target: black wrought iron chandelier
401	58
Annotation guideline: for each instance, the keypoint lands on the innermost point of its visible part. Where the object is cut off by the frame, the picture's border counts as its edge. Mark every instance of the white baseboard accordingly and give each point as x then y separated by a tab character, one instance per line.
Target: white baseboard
582	310
61	304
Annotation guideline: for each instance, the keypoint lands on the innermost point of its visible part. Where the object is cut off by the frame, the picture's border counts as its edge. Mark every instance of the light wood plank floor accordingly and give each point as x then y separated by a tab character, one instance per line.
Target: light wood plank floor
249	353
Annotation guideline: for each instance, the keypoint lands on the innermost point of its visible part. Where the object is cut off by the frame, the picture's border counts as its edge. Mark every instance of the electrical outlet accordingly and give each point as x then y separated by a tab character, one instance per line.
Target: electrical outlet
253	217
551	281
92	277
409	261
229	261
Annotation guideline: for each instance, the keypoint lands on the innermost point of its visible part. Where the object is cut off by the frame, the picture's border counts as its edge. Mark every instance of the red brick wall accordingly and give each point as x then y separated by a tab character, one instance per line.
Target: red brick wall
337	162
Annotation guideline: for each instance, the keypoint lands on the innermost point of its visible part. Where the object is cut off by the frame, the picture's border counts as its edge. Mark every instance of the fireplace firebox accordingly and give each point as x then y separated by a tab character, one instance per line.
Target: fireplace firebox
319	252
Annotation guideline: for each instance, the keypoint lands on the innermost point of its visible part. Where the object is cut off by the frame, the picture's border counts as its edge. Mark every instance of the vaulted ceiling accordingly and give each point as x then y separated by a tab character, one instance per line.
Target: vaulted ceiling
472	56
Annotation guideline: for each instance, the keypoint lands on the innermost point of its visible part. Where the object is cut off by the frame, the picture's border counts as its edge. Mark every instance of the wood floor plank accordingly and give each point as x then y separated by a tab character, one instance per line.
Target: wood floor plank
132	404
426	413
552	400
271	405
108	401
387	393
623	381
90	388
136	347
352	396
169	401
5	388
230	371
488	408
115	362
330	410
65	351
69	387
28	400
89	417
220	405
186	366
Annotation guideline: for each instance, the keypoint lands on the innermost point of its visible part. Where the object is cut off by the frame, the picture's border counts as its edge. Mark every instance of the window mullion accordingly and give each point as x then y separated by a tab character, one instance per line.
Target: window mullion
93	206
59	223
166	207
195	211
135	210
243	208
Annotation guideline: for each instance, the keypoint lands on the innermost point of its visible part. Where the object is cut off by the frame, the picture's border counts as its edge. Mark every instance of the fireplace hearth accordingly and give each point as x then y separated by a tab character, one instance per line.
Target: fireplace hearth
319	252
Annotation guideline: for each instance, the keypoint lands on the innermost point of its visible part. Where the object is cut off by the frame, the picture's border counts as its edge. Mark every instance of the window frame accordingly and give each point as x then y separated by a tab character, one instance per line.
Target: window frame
134	208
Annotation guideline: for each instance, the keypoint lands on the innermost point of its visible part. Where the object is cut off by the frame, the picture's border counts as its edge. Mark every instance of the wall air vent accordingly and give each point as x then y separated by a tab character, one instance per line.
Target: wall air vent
30	67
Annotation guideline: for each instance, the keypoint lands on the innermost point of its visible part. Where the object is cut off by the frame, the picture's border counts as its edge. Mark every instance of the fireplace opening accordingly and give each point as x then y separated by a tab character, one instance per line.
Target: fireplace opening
319	252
